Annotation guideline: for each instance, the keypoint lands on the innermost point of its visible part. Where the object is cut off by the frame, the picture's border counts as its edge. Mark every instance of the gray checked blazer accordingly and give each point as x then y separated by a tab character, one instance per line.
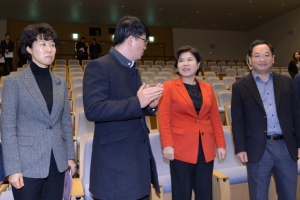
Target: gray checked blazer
29	132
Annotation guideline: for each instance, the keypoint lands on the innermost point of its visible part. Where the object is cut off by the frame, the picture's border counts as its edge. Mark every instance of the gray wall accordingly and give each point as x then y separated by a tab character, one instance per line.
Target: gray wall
228	44
3	28
234	45
276	33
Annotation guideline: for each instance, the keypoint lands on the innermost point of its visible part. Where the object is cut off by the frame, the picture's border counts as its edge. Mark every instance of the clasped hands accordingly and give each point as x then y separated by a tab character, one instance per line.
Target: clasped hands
150	95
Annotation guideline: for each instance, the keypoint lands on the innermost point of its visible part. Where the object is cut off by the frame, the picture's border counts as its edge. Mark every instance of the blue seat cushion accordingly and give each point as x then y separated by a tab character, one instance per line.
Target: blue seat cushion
236	174
165	180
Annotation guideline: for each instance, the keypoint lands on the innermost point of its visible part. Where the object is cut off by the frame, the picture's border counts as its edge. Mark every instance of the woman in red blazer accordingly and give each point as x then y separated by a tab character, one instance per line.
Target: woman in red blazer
190	128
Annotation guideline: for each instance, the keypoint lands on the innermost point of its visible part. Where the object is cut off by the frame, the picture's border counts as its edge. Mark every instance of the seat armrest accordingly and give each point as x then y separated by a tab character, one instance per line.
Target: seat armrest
221	186
156	196
3	187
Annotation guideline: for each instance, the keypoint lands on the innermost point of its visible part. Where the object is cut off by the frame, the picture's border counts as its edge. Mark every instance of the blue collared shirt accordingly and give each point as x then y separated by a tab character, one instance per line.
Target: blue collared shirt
266	91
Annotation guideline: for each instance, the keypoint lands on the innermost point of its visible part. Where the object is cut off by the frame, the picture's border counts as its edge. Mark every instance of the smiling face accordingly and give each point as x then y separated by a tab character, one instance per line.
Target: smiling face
42	52
261	59
187	66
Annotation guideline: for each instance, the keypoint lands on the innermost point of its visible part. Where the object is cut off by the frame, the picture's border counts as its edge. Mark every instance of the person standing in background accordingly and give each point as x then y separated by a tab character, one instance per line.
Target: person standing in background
294	64
81	49
95	49
7	46
114	97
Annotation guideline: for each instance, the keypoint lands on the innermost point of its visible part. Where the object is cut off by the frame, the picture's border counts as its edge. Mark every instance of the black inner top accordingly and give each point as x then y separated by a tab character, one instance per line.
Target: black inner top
195	94
44	81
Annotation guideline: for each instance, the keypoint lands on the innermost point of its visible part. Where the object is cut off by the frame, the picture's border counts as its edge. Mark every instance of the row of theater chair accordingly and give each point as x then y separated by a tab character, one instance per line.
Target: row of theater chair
151	63
158	67
70	62
221	64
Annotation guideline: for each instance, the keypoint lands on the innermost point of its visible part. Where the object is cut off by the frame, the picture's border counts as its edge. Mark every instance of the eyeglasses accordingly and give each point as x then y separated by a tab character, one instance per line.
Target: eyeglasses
145	40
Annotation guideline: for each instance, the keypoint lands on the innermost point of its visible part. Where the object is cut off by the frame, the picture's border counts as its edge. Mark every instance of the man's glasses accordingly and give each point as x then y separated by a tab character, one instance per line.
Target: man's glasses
145	40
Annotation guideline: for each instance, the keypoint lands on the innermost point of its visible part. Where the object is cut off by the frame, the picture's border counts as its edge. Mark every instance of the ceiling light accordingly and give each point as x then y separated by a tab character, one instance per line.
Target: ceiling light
151	38
75	35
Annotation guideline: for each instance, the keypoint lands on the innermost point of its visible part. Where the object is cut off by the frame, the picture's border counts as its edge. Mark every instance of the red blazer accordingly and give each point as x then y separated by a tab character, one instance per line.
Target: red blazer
180	125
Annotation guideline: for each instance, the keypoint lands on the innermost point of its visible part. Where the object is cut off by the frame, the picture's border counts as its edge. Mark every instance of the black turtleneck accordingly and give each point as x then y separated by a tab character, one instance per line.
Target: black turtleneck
196	95
44	81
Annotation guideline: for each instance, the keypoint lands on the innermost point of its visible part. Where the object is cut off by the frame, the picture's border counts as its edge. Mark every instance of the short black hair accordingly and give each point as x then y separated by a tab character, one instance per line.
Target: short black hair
7	34
82	38
127	26
34	32
193	51
259	42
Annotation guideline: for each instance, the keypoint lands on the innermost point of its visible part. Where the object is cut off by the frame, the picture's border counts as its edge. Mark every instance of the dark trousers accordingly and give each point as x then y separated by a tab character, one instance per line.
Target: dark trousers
8	66
278	161
49	188
186	177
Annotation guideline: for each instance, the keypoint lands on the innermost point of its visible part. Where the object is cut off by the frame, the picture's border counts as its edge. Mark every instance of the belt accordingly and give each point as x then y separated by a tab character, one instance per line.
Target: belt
275	137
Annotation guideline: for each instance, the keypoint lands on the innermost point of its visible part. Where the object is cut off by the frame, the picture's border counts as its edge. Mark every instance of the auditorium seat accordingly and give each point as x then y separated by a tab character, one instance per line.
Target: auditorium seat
218	86
158	67
227	108
73	62
167	74
161	63
155	70
149	63
162	165
170	62
60	62
213	79
85	62
145	67
230	180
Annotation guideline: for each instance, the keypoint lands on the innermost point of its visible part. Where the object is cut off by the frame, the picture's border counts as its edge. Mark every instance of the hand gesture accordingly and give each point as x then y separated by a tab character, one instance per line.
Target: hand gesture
168	152
148	94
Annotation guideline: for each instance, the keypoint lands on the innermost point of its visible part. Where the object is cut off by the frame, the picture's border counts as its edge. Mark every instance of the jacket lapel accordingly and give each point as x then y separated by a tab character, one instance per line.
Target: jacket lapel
204	93
252	87
57	92
183	92
34	90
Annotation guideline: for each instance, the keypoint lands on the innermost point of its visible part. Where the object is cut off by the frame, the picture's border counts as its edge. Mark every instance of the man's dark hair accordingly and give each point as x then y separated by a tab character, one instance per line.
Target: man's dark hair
7	34
127	26
259	42
193	51
34	32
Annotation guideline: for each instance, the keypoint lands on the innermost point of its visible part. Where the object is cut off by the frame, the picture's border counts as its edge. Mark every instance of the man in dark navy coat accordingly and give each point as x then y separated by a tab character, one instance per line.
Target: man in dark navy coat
122	166
266	125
